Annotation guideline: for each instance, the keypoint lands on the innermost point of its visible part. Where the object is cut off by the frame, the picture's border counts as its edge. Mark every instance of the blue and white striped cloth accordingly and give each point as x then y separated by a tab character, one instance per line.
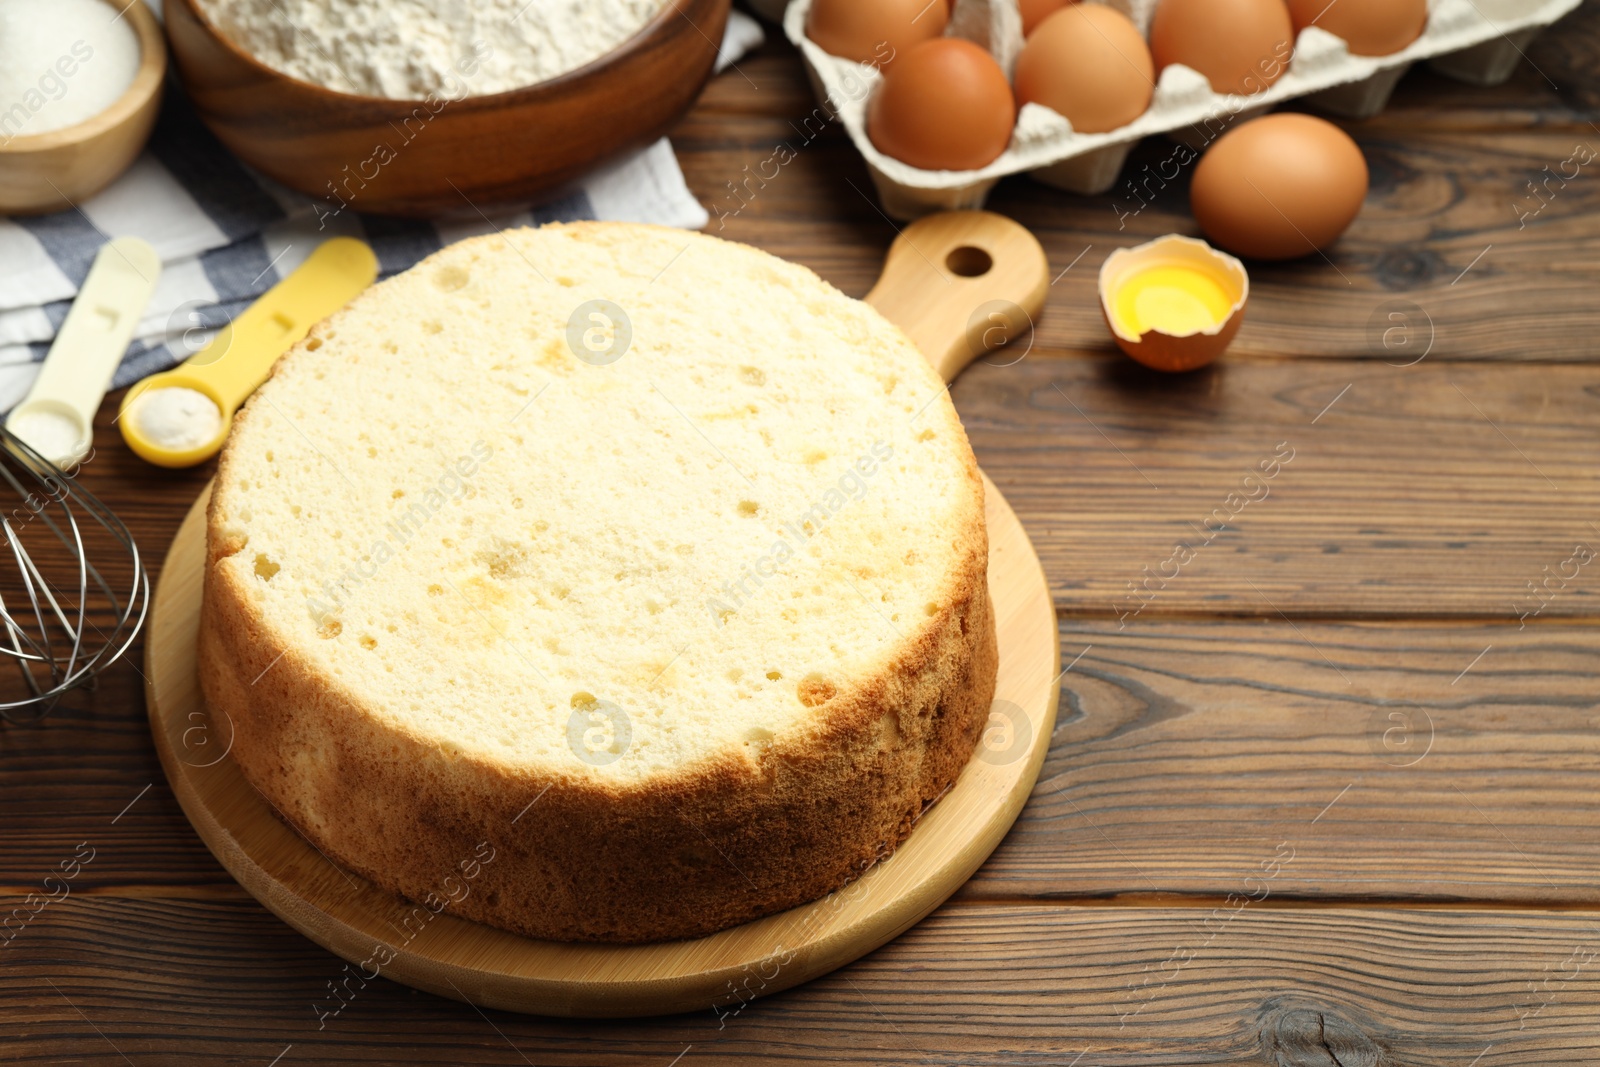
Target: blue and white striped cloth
226	234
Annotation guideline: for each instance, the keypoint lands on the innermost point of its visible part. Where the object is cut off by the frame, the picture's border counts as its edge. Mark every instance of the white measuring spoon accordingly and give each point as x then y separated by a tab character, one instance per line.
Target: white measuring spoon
56	418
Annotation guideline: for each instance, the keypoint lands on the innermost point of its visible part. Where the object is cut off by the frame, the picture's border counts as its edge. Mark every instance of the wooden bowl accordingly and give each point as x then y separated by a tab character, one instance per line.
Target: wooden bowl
422	158
55	170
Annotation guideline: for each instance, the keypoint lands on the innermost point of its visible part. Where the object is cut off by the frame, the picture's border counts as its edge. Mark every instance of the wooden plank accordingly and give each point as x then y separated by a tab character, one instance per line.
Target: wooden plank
1439	489
1441	763
1437	763
1248	983
1450	166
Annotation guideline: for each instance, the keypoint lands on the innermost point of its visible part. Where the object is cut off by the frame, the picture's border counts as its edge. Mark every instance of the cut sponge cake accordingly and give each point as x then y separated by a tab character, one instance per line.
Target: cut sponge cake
646	564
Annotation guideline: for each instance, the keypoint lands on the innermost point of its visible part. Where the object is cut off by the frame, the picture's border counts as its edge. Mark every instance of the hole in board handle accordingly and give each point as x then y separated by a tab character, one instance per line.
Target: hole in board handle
968	261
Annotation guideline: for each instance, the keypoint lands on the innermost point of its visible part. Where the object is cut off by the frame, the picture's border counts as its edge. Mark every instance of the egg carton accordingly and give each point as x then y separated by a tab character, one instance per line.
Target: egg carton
1477	41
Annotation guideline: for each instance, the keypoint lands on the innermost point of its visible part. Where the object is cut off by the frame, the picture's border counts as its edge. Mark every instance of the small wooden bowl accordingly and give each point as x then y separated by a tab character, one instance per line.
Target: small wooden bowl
407	157
55	170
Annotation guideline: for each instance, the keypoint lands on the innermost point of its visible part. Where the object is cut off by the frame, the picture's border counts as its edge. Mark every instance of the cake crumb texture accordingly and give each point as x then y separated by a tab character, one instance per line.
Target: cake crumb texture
648	558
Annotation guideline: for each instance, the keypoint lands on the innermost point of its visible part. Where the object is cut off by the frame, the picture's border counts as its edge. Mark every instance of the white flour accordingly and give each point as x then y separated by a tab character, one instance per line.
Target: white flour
409	49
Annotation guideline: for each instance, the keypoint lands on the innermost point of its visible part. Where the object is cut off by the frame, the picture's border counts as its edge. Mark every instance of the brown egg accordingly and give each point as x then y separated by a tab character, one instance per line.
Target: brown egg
1369	27
1241	46
1089	63
874	31
1036	11
944	105
1279	186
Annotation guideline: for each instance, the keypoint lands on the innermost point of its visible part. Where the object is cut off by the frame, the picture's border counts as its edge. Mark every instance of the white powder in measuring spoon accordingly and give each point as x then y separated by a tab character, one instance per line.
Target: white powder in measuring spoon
409	49
61	62
49	433
177	418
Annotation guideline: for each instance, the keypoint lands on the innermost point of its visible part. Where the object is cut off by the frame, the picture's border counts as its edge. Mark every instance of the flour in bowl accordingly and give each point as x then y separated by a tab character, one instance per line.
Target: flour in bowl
411	49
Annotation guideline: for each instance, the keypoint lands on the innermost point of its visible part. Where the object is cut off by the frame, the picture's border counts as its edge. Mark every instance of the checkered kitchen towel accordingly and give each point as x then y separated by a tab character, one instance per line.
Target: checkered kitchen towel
226	234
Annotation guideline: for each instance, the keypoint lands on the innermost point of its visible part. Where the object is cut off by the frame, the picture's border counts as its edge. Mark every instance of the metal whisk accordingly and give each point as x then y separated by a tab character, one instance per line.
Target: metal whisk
79	593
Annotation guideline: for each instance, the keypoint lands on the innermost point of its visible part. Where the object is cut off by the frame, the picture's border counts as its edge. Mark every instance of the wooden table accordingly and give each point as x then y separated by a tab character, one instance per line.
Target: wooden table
1325	798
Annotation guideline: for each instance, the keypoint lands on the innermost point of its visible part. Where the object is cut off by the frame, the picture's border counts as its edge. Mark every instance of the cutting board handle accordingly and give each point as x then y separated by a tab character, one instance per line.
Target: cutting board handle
962	283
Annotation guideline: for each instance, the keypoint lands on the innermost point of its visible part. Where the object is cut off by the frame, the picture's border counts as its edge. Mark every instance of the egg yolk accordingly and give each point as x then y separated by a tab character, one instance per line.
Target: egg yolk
1175	300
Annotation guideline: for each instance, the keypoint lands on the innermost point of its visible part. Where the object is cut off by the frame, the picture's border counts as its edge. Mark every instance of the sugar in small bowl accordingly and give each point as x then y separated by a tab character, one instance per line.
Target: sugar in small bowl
80	85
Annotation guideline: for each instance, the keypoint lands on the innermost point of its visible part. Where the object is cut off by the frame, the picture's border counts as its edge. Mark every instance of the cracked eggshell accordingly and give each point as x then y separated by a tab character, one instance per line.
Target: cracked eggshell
1175	352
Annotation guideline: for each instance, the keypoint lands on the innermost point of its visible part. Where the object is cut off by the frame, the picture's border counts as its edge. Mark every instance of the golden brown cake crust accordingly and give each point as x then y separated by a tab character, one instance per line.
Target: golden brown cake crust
584	859
587	863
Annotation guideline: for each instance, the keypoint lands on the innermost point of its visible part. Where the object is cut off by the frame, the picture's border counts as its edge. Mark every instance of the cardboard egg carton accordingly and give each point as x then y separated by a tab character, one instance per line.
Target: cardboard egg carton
1478	41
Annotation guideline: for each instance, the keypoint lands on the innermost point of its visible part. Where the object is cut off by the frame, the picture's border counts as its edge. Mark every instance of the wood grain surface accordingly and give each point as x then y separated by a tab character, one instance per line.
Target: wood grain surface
981	985
1436	912
1441	489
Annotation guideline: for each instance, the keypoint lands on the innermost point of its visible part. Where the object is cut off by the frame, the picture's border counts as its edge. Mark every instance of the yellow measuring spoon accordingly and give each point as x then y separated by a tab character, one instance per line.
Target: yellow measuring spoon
239	357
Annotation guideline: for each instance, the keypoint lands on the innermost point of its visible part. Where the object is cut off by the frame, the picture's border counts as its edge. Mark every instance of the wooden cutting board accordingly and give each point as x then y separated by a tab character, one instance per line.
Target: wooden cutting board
934	287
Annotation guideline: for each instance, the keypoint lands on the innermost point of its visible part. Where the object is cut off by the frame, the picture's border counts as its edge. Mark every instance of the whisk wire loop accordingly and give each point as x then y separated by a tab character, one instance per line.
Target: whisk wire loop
84	566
